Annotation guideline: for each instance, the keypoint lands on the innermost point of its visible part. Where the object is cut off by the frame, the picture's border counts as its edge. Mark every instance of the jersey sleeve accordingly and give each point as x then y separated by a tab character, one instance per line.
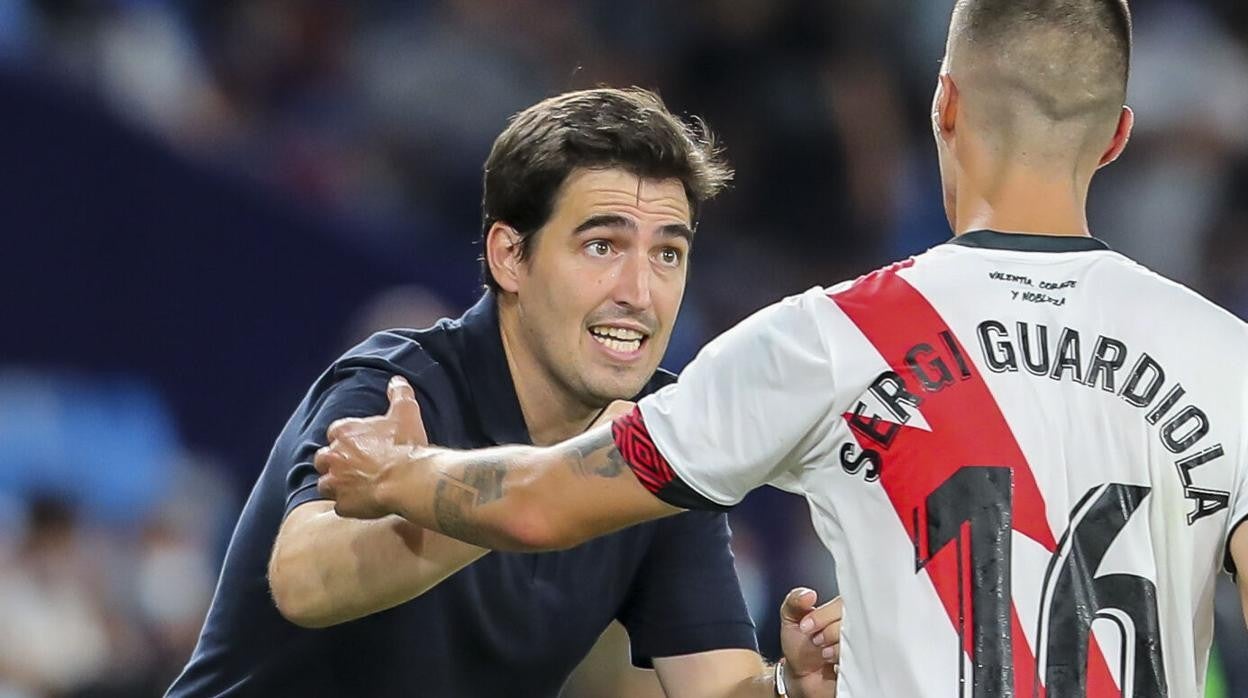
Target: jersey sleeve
742	414
686	597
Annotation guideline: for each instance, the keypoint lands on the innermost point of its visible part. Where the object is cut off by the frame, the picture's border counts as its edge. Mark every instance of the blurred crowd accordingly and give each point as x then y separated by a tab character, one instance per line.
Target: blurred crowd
378	115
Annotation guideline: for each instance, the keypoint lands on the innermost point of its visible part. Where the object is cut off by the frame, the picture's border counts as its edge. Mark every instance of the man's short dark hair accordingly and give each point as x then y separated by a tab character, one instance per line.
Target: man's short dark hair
602	128
1057	60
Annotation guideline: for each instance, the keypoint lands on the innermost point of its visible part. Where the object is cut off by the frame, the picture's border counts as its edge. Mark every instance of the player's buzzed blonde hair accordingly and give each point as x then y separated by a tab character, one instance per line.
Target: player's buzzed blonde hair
1046	76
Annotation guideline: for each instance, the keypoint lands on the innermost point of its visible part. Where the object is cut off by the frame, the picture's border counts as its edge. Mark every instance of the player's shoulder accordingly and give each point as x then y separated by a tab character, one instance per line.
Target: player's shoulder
788	323
808	303
885	273
1173	302
1124	280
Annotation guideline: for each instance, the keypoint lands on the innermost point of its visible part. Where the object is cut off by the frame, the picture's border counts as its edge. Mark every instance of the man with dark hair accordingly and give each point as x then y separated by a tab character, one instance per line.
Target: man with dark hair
1028	454
589	216
527	166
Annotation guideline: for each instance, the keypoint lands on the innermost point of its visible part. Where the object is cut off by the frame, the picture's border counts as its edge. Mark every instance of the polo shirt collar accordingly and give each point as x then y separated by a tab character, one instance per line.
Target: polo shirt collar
1026	242
489	377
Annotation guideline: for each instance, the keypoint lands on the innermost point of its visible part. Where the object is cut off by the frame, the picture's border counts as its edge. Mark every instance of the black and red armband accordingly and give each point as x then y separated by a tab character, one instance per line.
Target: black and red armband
652	470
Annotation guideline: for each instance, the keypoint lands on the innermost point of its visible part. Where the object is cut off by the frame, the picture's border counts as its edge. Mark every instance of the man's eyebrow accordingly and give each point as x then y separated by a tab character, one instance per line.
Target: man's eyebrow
614	220
605	220
678	230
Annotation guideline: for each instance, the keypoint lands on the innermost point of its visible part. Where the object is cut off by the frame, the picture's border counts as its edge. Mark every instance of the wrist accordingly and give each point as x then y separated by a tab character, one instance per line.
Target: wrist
396	484
788	684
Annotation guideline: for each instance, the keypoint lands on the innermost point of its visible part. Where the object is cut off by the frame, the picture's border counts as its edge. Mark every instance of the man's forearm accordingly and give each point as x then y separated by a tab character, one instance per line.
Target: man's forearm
764	685
718	674
327	570
522	498
480	497
761	686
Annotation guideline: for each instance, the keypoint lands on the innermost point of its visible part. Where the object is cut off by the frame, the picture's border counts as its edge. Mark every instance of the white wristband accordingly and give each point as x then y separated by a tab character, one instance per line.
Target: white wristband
781	689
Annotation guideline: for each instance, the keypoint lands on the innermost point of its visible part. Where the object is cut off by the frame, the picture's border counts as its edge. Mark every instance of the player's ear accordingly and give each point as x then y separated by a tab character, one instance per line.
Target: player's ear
503	252
1122	134
945	107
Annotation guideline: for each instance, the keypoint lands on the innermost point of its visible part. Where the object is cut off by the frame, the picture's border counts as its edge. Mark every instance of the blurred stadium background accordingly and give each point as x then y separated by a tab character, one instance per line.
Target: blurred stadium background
205	201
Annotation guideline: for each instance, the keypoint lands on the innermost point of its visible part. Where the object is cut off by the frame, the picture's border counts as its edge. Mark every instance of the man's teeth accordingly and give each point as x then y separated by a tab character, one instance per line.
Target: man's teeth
617	345
618	333
618	338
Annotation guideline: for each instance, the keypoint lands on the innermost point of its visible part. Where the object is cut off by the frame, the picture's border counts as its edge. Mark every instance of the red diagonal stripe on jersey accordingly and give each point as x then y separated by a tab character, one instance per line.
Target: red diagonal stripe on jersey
967	429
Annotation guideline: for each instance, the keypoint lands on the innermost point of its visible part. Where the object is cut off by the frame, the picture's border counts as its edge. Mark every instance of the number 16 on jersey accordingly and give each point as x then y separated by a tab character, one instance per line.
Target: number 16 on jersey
970	516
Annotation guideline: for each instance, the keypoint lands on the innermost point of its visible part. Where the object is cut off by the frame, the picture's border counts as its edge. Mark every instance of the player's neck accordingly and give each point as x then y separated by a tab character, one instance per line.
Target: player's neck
1024	201
551	413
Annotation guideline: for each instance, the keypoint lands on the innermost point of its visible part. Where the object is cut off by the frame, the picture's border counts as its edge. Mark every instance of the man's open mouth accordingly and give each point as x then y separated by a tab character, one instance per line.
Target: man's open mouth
625	340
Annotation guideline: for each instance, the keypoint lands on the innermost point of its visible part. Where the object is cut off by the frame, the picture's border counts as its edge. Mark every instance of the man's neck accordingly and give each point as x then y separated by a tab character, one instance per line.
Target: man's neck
1022	201
551	414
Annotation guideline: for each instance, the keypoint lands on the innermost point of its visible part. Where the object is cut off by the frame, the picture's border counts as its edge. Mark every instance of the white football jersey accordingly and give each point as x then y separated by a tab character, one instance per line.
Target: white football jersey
1026	454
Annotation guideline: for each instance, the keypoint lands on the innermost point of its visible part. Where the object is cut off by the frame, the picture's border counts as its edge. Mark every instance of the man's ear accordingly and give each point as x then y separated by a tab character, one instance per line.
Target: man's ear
1122	134
503	256
945	106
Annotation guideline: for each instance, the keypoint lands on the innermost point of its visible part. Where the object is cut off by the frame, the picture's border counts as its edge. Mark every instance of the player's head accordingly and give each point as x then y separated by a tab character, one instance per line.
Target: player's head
591	200
1035	84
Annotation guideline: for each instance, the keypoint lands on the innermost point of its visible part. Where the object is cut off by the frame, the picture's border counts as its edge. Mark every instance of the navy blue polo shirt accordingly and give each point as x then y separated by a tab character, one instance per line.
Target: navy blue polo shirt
513	624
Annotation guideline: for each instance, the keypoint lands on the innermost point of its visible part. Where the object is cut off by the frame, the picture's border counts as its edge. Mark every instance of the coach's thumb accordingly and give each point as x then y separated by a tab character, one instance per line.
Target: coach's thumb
797	605
405	411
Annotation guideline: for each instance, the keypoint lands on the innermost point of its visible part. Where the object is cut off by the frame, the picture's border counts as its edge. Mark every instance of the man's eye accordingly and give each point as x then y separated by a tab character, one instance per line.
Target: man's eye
670	257
599	248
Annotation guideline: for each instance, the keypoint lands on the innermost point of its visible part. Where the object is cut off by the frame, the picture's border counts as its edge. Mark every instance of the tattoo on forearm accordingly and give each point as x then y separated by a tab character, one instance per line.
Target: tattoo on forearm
450	500
455	497
595	455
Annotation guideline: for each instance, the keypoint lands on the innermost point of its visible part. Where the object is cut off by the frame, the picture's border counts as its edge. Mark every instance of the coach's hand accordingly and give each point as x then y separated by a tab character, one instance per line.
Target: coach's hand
361	452
811	640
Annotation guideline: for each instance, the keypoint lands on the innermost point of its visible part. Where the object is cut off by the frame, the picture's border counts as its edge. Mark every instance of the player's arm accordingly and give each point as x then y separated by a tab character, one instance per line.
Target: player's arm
509	498
326	569
1235	552
1239	556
